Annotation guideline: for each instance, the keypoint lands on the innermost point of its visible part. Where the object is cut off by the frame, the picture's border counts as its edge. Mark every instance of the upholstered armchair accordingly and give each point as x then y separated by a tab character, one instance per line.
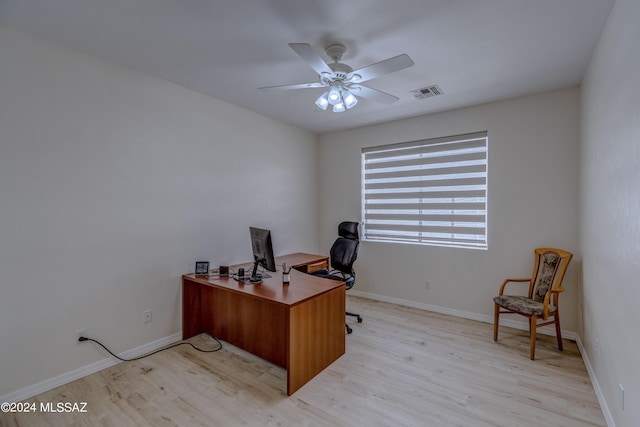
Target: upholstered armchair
541	302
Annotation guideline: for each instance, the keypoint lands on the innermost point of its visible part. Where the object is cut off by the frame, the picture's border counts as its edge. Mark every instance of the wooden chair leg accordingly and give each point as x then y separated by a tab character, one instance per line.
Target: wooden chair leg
496	316
533	321
558	333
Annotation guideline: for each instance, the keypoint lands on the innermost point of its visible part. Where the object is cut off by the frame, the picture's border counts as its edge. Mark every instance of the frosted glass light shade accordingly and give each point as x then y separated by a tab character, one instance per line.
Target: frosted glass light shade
339	107
323	101
334	96
350	100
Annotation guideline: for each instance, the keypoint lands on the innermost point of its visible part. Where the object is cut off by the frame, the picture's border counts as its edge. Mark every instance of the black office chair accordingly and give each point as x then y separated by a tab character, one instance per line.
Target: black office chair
343	254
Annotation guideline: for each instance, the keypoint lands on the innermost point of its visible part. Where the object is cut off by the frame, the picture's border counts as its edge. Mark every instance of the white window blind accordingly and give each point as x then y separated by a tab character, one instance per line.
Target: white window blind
431	192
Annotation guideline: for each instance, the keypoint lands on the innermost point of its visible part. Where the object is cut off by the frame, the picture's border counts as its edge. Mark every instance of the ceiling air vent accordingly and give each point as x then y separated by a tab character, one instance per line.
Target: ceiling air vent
427	92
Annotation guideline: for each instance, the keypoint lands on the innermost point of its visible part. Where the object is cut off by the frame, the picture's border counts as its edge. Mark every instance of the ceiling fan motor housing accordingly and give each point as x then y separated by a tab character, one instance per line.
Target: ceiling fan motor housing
336	51
340	70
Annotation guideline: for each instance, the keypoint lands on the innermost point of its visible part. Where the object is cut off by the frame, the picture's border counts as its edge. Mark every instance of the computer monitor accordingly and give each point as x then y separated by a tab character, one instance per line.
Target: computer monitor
262	251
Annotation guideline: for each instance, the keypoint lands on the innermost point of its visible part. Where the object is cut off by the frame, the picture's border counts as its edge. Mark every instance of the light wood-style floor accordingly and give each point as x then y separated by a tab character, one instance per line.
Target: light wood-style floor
403	367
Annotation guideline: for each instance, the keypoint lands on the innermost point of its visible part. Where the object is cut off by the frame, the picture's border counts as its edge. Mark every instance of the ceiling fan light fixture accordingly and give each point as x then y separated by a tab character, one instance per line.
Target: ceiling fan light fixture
339	107
350	100
323	101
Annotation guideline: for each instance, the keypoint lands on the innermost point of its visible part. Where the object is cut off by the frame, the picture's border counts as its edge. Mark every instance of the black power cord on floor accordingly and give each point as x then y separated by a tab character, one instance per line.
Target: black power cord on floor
82	339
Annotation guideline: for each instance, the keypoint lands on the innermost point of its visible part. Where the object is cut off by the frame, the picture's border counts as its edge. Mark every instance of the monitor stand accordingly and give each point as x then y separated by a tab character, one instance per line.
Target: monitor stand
255	277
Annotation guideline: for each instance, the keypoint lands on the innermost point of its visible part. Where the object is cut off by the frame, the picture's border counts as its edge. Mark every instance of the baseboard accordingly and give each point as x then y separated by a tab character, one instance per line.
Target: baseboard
546	330
596	386
67	377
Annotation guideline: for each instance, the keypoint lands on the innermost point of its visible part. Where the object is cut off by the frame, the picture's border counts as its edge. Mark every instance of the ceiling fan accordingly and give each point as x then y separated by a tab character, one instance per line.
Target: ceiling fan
343	83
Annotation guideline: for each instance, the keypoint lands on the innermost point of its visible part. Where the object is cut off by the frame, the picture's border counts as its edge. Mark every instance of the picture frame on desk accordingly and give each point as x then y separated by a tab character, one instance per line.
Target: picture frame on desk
202	268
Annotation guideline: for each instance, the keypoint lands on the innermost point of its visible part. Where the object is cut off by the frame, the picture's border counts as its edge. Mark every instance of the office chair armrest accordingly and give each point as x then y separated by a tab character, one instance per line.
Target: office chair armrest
320	272
324	272
528	279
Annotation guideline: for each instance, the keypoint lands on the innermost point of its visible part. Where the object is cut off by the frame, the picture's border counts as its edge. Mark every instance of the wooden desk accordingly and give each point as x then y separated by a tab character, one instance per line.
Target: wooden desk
299	326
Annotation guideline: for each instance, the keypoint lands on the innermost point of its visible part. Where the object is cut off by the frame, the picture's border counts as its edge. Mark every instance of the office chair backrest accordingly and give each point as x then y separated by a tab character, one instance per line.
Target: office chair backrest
345	249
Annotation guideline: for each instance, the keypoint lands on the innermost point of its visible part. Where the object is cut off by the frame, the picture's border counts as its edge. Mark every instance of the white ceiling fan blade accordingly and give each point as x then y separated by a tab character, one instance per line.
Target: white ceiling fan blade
298	86
387	66
306	52
373	94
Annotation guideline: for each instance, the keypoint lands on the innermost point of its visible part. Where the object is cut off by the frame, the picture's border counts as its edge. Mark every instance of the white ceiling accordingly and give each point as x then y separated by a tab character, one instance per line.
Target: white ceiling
476	50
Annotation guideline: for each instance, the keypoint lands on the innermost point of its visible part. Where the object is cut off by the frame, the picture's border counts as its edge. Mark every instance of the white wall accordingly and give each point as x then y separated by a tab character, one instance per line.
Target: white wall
532	193
610	213
112	184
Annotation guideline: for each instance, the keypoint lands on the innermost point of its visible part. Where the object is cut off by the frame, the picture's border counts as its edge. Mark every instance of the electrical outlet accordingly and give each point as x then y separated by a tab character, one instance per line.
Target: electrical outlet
80	333
427	285
147	316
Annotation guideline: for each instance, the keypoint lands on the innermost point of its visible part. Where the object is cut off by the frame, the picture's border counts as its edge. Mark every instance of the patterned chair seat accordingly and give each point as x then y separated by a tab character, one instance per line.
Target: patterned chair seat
522	304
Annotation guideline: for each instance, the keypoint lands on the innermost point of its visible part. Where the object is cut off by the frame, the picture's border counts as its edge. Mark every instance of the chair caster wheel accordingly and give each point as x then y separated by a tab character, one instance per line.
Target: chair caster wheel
359	319
349	330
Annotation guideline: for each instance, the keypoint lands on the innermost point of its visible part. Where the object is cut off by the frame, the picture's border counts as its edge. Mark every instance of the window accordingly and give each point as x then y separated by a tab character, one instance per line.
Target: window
429	192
